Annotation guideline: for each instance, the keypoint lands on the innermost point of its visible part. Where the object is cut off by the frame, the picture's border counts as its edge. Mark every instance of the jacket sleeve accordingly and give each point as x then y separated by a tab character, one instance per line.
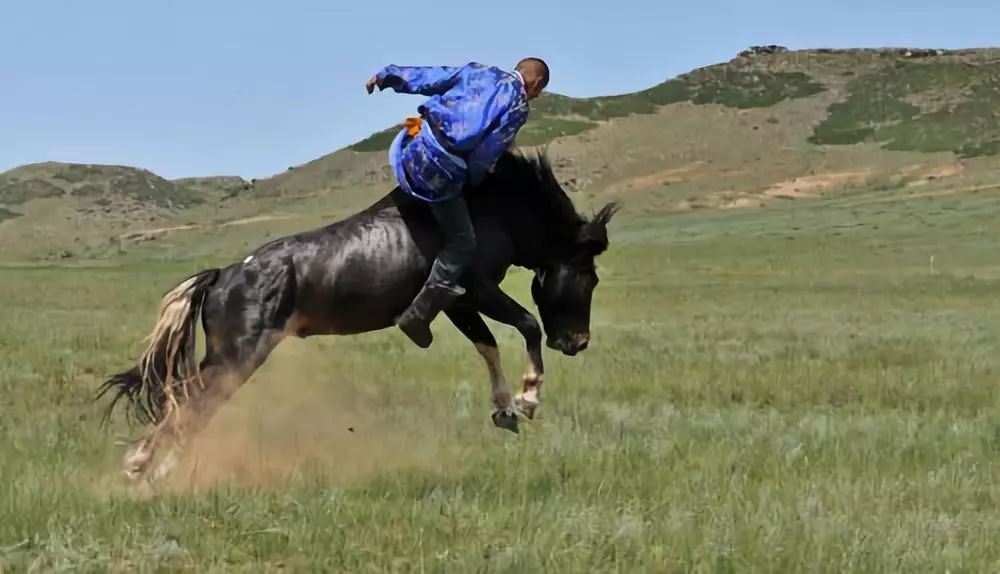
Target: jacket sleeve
425	80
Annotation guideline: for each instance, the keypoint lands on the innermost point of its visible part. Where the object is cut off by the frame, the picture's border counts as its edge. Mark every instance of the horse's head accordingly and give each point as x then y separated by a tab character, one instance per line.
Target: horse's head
563	289
559	244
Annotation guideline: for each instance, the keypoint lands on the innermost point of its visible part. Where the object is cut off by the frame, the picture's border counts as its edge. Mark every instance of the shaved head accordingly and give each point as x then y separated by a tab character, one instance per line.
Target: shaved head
536	75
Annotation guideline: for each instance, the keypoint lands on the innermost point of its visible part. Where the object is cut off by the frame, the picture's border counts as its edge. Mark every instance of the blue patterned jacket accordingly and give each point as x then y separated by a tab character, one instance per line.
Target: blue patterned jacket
474	112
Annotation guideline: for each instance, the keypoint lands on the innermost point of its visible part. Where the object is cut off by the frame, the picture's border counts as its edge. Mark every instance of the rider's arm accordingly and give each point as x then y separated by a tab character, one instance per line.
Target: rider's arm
425	80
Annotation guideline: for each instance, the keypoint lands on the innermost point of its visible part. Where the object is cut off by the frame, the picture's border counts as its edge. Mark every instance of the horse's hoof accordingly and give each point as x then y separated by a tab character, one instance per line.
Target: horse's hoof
137	463
166	466
527	407
505	419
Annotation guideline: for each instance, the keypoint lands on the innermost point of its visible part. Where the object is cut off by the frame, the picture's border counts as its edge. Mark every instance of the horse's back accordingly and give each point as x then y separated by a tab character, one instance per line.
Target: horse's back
354	275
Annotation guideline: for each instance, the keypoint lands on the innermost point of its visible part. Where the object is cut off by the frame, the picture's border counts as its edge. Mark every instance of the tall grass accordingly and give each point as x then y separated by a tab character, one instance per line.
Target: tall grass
785	389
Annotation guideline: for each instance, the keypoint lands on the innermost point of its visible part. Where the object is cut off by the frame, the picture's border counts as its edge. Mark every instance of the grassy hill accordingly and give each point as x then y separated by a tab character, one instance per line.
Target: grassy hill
59	209
765	126
218	187
712	136
100	182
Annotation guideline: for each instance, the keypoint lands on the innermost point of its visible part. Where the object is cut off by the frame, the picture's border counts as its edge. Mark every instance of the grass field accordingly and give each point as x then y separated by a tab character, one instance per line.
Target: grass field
796	388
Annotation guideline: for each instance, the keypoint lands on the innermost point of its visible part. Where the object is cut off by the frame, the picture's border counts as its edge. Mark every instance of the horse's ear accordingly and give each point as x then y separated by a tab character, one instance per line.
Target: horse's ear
594	234
604	216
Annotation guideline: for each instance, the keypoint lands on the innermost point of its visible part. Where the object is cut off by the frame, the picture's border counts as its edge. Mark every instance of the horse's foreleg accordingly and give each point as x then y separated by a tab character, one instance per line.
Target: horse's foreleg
534	374
499	306
471	325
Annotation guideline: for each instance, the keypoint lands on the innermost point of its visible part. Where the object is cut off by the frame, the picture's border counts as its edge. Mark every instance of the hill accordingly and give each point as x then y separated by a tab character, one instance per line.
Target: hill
826	111
54	209
769	125
100	182
218	187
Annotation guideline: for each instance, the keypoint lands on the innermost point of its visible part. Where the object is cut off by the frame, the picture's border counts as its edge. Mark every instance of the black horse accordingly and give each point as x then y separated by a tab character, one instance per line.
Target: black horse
357	275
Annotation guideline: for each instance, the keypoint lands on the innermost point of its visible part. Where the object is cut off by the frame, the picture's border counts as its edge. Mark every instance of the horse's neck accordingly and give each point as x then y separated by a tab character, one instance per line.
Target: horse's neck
534	243
534	239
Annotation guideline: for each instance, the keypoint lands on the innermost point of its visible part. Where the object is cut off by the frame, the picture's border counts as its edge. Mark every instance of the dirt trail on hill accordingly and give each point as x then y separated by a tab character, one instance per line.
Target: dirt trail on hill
141	234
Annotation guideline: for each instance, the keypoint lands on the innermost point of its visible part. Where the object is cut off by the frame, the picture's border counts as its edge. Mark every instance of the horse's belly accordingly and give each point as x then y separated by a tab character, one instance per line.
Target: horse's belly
351	315
365	292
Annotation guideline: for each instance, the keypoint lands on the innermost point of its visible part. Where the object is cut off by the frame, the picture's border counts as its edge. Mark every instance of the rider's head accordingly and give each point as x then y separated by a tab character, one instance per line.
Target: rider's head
536	76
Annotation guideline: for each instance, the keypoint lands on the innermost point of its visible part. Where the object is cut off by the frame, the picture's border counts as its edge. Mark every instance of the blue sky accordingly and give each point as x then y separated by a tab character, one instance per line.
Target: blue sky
249	87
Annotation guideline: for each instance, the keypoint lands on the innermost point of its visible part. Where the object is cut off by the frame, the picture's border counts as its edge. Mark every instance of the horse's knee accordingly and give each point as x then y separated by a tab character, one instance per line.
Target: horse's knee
530	329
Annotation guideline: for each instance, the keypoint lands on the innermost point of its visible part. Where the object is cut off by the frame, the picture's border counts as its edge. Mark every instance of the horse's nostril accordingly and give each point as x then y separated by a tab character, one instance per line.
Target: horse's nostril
582	346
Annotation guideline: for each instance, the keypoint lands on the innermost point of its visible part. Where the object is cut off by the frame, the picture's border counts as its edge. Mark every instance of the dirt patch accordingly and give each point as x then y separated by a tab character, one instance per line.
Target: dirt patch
156	233
740	203
258	219
922	174
657	179
814	185
151	234
727	199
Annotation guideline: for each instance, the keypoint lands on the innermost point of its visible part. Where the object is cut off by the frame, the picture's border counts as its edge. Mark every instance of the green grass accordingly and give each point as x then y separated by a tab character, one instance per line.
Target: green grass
544	130
980	149
13	193
782	389
609	107
746	89
957	111
378	141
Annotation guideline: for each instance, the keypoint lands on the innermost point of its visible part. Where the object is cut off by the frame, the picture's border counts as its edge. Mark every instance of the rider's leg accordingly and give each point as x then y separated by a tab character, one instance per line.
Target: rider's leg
441	287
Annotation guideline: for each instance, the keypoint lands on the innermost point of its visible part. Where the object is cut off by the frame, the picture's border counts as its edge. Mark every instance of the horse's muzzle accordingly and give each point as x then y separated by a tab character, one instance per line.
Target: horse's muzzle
570	344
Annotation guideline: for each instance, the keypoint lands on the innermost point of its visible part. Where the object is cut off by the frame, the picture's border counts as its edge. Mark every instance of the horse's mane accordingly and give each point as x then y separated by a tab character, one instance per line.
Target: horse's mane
519	166
525	177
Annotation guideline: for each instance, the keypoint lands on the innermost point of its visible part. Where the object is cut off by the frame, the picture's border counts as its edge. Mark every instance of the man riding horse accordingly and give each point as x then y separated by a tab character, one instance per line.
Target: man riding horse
389	264
471	118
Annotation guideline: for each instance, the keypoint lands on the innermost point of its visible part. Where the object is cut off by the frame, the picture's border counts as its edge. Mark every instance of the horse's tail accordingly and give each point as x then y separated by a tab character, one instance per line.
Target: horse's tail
159	382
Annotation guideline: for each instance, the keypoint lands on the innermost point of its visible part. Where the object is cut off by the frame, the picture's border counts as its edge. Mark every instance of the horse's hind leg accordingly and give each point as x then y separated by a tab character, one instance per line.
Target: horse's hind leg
138	459
223	372
243	323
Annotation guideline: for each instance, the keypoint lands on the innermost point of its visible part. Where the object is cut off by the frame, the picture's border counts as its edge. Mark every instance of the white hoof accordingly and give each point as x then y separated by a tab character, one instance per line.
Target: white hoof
167	466
137	462
527	404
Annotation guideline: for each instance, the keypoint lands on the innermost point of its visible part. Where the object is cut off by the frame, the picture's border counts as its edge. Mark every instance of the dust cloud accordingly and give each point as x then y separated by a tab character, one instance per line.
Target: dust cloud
301	420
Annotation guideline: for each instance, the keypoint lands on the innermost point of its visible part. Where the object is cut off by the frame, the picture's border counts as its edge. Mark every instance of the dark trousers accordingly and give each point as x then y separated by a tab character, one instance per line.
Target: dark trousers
452	217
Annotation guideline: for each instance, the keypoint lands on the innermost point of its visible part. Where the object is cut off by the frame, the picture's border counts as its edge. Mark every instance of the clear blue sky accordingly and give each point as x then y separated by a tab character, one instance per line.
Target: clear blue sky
249	87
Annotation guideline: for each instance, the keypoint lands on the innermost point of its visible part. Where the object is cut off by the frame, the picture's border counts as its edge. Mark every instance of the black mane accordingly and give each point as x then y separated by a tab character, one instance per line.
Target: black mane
522	176
517	169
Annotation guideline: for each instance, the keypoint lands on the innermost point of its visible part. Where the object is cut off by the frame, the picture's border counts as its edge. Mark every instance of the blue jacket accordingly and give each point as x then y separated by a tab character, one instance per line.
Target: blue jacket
473	113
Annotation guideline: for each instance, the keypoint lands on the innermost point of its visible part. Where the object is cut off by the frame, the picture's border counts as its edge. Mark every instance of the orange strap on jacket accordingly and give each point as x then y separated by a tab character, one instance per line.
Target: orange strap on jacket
413	125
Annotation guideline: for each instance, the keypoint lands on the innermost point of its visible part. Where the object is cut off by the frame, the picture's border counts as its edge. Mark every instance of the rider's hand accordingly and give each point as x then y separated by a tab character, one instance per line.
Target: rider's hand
370	84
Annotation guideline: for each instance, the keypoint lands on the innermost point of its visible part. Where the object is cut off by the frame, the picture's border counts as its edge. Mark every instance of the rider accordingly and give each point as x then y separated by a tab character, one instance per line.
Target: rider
472	116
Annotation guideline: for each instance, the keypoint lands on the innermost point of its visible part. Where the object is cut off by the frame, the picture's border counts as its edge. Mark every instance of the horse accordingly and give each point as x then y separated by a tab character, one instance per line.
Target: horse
356	276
